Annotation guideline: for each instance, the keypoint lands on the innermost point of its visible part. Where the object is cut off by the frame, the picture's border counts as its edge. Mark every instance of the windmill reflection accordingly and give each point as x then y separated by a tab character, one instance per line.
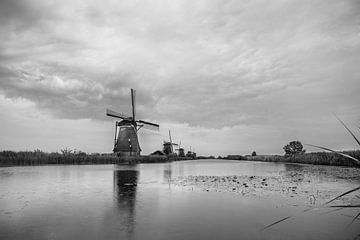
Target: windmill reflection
167	174
125	184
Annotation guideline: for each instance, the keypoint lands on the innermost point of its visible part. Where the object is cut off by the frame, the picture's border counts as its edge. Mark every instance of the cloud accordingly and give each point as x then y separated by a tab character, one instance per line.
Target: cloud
209	64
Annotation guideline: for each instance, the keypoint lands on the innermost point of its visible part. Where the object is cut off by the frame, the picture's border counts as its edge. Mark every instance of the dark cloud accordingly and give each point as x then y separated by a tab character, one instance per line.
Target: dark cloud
18	12
73	96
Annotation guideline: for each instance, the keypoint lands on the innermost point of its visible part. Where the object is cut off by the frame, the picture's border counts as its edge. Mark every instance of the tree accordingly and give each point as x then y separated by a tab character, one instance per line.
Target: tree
66	151
294	147
253	154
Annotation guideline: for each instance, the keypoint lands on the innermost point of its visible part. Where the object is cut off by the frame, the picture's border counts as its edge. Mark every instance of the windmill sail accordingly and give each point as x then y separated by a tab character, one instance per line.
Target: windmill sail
149	125
133	93
112	113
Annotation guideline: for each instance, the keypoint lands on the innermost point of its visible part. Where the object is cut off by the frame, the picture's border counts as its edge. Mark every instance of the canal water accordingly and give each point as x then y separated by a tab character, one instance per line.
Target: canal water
204	199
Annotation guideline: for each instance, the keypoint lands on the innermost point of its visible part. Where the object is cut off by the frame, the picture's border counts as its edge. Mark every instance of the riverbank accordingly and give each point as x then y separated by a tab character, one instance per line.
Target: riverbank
30	158
37	157
316	158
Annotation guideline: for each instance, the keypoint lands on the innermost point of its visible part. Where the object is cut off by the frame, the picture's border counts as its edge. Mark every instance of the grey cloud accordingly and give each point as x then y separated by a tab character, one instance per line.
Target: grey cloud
64	95
19	12
214	64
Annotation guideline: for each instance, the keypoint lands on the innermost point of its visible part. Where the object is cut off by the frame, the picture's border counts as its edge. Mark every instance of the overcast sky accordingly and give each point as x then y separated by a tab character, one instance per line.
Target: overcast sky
226	77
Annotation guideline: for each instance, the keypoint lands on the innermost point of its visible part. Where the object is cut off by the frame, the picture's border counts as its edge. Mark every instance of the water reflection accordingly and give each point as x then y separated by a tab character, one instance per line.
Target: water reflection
293	167
125	185
134	202
167	174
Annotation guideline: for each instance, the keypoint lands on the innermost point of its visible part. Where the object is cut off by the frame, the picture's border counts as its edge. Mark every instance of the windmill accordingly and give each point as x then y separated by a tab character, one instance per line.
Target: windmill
180	150
126	141
168	146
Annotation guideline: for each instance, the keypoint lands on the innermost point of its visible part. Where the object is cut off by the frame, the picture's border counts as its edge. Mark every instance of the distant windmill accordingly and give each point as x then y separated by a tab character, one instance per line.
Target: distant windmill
168	146
126	141
180	150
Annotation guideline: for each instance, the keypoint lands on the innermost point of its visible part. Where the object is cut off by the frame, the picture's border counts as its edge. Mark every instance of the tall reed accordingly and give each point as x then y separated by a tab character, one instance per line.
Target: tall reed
354	160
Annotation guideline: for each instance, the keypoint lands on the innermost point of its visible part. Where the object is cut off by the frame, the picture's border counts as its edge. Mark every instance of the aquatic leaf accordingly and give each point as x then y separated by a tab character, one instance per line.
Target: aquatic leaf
343	194
342	154
357	140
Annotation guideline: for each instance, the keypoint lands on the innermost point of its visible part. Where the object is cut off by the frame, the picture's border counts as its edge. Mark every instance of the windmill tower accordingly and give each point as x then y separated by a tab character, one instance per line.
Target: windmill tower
126	142
168	146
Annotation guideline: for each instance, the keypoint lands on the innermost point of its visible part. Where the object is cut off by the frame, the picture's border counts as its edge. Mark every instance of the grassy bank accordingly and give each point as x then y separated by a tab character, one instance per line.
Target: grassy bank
29	158
318	158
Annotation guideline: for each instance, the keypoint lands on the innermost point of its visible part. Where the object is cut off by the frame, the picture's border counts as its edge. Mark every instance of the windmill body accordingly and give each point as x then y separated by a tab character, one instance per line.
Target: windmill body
181	151
126	142
168	146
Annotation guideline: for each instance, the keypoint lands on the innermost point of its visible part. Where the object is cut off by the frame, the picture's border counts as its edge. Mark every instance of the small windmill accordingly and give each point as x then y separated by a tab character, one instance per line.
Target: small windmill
168	146
180	150
126	141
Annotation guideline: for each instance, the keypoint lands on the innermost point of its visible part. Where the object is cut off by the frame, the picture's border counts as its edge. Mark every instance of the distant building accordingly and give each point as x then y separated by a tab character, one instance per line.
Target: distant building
167	148
181	152
191	154
158	152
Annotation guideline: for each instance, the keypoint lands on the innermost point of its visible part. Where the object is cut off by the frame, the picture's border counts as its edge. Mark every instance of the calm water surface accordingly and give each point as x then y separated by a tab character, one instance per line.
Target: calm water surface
152	201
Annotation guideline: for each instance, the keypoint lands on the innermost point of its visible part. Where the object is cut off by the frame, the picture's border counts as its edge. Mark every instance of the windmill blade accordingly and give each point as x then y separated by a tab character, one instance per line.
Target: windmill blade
112	113
175	144
133	95
171	143
149	125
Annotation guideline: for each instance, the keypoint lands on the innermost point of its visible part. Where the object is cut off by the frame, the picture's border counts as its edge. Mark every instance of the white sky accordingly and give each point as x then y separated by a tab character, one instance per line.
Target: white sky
227	77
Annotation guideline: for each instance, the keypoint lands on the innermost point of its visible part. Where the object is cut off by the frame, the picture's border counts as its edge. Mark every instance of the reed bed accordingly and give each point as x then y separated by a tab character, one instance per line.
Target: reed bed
317	158
37	157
